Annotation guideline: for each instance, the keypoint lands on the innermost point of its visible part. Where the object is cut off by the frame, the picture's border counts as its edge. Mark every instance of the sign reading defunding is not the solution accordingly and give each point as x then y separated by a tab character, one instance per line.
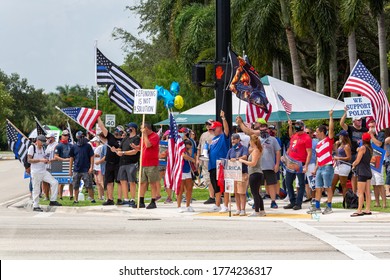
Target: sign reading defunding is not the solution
358	106
145	101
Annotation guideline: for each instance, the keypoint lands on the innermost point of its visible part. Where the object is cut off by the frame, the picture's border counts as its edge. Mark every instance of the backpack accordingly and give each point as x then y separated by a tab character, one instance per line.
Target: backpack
350	200
25	160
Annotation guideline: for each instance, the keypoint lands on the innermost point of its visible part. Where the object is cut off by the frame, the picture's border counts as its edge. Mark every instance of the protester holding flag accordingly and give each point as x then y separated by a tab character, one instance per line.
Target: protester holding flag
38	160
61	153
218	149
186	180
256	176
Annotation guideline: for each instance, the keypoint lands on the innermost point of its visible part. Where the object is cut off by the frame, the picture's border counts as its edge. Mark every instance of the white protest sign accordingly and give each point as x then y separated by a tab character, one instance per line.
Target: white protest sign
358	106
229	185
145	101
232	169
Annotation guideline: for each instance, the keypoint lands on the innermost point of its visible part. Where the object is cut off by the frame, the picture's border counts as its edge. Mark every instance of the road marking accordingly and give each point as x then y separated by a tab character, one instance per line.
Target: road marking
345	247
14	200
43	215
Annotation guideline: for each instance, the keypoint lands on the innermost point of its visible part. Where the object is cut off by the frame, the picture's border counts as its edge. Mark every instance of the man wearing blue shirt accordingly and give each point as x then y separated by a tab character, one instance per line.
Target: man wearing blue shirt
218	149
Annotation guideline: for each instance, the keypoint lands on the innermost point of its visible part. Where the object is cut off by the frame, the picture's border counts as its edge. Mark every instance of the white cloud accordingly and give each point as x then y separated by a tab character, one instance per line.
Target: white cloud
51	42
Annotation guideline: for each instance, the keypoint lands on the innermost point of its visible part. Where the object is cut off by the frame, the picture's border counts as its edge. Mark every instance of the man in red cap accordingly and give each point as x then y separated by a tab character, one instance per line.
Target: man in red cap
218	149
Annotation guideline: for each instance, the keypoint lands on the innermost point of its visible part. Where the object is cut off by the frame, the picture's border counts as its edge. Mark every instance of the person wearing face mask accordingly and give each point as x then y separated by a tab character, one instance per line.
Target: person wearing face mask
61	153
82	155
377	180
112	160
270	159
300	149
50	145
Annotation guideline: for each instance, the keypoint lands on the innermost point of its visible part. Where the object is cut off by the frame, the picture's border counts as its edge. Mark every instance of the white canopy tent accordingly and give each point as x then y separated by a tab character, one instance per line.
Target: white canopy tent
306	104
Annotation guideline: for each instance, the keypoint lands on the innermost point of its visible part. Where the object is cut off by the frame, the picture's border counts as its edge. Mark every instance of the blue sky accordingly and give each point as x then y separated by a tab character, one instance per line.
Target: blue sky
51	42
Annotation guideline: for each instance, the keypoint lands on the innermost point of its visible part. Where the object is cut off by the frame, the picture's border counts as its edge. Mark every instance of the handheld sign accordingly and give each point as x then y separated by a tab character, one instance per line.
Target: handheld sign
358	106
145	101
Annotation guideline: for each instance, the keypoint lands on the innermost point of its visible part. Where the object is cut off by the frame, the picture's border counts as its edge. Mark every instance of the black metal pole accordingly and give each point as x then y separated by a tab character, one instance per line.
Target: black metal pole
223	97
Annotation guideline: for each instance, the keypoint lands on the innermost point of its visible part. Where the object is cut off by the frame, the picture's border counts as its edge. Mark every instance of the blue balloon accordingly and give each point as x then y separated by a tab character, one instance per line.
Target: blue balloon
175	88
164	94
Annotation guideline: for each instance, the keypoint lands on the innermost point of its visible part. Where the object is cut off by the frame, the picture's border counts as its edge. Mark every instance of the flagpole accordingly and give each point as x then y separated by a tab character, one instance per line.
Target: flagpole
36	119
16	128
70	132
96	93
140	161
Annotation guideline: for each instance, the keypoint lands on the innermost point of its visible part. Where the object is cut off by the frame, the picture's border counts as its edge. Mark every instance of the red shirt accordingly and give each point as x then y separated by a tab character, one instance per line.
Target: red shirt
298	145
324	150
150	155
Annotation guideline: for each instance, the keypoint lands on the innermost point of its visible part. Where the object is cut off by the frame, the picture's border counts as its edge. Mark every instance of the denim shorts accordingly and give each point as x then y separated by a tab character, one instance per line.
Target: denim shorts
324	176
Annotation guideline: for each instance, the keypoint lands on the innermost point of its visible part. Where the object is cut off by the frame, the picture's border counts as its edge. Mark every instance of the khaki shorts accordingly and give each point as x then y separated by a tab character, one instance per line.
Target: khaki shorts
150	174
241	187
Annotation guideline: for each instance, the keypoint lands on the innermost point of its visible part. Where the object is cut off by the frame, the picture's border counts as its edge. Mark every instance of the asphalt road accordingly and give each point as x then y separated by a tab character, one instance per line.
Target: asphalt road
101	233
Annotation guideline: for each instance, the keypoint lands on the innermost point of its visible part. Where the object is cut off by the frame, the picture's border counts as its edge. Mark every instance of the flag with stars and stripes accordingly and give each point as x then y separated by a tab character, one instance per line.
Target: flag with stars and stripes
361	81
40	129
17	142
175	162
120	85
84	116
286	105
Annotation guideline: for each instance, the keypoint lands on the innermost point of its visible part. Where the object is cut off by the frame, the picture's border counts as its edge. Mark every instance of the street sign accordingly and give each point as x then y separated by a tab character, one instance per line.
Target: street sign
145	101
110	121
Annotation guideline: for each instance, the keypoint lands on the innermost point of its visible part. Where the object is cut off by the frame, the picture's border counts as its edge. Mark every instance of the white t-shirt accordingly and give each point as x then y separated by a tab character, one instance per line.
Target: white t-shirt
245	139
38	167
97	151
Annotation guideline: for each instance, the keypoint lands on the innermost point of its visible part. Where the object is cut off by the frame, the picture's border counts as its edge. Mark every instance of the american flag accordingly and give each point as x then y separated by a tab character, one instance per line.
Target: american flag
17	142
84	116
40	129
258	105
286	105
120	85
176	148
361	81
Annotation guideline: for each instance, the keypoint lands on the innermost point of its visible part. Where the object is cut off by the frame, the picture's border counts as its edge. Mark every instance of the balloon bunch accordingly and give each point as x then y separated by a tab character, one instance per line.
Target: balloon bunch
171	97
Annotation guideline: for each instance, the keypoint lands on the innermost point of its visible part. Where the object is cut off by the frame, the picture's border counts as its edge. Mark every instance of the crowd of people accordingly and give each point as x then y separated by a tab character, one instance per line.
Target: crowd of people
312	166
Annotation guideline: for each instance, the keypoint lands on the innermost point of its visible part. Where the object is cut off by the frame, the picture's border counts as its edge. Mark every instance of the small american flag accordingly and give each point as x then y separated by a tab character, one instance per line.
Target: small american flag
120	86
17	142
84	116
286	105
175	162
361	81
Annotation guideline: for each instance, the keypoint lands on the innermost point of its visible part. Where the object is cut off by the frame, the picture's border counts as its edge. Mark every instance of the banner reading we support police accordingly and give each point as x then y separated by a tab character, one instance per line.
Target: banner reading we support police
358	107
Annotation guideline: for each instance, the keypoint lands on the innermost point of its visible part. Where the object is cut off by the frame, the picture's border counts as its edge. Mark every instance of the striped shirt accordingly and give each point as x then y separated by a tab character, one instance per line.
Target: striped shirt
324	151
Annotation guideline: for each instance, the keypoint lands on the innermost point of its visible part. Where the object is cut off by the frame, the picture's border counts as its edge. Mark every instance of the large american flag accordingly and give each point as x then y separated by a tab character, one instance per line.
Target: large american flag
253	113
120	85
361	81
175	162
17	142
84	116
286	105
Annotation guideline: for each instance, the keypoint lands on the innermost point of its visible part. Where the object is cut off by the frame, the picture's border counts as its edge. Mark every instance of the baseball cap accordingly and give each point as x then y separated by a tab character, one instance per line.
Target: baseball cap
215	125
300	122
120	128
342	133
236	136
209	122
95	139
65	132
271	126
51	135
41	138
261	121
366	136
133	125
184	130
356	118
166	132
79	134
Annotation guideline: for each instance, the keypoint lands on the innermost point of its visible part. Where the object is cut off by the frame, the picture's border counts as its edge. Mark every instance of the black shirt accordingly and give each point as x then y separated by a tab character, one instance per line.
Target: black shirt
125	146
111	157
356	136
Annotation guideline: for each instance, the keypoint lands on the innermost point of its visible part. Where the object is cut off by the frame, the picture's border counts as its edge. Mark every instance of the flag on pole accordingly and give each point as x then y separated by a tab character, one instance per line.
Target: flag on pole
17	142
120	86
40	129
361	81
70	132
84	116
245	83
175	161
286	105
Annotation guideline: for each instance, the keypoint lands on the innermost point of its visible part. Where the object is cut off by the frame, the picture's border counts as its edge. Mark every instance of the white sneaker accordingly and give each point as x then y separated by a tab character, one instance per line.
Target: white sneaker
262	213
242	213
224	209
237	213
182	210
251	202
190	209
215	208
254	214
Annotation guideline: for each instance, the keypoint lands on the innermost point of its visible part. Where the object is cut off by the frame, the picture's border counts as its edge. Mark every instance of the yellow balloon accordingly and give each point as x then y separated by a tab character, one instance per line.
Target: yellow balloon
179	102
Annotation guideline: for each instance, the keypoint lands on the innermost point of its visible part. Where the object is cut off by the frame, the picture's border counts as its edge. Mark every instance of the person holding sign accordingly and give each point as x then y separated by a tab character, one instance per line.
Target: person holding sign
355	132
236	152
256	176
363	173
324	168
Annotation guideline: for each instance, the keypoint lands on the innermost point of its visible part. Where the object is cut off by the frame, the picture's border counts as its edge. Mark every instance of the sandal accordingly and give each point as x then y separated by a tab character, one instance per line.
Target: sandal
367	213
357	214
